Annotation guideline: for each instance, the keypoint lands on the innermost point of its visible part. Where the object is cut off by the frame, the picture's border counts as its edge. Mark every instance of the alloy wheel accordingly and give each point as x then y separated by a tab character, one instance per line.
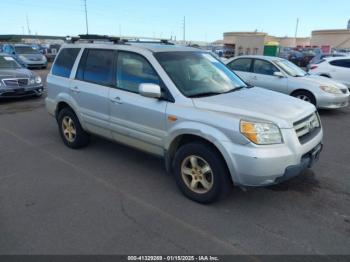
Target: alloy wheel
68	128
197	174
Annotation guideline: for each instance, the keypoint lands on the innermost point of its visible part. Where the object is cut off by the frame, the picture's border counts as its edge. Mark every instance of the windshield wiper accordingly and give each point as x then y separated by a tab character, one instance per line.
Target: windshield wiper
205	94
218	93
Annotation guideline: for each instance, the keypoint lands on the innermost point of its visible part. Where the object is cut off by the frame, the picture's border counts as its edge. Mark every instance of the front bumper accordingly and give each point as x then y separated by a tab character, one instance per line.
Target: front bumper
330	101
252	165
21	91
34	64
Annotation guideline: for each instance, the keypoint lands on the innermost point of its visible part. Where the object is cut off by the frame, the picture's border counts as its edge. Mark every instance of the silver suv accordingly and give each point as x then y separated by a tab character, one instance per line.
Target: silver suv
184	105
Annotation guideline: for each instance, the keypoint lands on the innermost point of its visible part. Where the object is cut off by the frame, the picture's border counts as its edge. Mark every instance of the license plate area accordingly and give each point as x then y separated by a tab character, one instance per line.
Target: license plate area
315	155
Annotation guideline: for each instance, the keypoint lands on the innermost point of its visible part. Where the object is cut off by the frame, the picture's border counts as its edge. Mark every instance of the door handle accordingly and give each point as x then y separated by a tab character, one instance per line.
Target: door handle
116	100
75	90
254	78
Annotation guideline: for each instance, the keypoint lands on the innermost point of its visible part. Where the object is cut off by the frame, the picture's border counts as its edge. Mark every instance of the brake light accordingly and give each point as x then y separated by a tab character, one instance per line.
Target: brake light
313	67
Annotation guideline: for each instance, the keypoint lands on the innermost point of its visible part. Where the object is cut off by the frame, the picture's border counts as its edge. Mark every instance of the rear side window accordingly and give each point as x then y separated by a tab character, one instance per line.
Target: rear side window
133	70
264	67
65	61
96	66
341	63
242	65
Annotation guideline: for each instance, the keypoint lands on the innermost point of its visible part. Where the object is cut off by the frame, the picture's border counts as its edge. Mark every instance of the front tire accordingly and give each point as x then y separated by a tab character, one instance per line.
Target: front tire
72	134
201	173
305	96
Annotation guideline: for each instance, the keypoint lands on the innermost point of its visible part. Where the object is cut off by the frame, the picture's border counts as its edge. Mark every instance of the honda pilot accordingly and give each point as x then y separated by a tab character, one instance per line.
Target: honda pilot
184	105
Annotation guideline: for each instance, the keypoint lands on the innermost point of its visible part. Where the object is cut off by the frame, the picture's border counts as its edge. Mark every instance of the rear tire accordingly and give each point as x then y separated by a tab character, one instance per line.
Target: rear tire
72	134
201	173
305	96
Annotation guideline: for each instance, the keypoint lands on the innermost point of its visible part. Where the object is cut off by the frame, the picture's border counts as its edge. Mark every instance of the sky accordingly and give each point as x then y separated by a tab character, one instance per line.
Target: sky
206	20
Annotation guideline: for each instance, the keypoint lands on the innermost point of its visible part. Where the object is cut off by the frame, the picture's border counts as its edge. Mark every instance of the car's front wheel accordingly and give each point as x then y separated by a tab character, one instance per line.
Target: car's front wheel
305	96
72	134
201	173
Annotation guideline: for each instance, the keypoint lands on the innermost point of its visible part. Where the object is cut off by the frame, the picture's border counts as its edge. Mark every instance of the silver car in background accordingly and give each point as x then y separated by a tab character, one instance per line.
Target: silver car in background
278	74
26	55
16	81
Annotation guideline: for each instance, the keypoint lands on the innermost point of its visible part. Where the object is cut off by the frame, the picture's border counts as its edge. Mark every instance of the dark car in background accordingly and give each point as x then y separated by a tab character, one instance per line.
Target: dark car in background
16	81
51	51
26	55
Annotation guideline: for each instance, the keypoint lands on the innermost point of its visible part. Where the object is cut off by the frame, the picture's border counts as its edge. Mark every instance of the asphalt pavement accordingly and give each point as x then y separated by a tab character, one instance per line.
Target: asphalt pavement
110	199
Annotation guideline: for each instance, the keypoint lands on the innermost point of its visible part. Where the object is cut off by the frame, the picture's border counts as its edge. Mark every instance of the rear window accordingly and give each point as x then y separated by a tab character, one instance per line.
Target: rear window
65	61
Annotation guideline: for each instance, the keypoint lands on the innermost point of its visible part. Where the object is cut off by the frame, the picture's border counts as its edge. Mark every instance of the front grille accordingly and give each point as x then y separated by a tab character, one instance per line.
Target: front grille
16	82
307	128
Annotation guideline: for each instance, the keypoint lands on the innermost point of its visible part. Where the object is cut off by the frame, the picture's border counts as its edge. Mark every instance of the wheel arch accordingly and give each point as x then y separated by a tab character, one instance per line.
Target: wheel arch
186	138
304	90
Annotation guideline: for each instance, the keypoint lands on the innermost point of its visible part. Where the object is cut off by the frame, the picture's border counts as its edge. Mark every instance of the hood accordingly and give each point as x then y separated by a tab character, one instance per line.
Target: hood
321	80
33	57
15	73
258	104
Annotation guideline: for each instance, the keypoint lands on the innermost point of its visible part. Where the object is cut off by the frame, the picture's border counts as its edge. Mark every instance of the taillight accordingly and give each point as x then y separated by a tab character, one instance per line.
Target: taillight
313	67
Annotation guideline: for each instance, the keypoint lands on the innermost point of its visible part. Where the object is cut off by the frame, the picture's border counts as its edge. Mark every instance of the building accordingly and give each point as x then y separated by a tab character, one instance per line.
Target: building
337	38
252	43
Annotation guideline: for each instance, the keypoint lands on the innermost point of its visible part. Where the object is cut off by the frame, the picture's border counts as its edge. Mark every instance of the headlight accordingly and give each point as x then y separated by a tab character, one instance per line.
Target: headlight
38	79
32	81
22	57
331	89
261	133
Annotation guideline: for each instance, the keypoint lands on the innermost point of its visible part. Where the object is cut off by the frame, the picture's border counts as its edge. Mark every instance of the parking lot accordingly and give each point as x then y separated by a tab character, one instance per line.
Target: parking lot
110	199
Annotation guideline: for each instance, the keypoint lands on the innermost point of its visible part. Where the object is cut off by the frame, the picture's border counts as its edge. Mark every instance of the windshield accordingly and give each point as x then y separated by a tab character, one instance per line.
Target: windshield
290	68
25	50
198	73
8	62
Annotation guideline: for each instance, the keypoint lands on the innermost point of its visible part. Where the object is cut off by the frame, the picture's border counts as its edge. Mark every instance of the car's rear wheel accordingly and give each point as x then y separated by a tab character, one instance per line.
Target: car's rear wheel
201	173
70	129
305	96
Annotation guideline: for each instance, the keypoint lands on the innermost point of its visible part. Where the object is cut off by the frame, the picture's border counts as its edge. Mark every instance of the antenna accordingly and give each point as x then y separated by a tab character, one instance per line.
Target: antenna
86	18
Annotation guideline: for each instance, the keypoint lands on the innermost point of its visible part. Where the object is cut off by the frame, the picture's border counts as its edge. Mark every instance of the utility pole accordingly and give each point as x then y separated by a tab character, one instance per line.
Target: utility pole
184	29
296	31
28	27
86	18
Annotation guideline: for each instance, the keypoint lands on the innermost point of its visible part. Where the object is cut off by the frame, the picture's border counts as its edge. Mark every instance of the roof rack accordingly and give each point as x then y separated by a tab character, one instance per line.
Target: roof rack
91	38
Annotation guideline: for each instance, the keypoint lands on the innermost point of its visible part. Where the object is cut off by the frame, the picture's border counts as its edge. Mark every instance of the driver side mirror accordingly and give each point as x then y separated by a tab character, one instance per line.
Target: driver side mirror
279	74
150	90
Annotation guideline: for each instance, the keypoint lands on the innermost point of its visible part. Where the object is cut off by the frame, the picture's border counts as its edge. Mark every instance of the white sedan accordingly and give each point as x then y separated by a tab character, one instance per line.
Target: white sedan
337	68
280	75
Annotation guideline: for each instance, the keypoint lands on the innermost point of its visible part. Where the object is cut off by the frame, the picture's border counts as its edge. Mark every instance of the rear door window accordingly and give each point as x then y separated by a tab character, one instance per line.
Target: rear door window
242	64
96	66
264	67
65	61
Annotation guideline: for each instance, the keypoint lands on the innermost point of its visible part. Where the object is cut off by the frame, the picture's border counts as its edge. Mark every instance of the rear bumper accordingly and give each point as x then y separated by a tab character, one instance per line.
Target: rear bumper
22	92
